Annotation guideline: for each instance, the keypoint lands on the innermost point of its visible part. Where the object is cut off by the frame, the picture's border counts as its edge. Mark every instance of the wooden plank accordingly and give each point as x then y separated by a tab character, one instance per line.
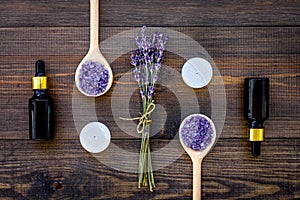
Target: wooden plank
248	42
30	13
240	52
62	169
244	38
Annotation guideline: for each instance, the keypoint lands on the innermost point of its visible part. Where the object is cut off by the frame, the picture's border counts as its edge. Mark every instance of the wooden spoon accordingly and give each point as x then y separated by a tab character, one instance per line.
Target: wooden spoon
94	53
197	156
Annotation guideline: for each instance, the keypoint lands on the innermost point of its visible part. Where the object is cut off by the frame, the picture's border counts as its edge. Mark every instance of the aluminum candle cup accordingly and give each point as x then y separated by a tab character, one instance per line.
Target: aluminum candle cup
197	72
95	137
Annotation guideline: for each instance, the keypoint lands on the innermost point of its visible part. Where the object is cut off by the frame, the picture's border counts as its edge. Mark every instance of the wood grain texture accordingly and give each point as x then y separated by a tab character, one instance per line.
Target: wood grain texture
241	52
28	13
244	38
61	169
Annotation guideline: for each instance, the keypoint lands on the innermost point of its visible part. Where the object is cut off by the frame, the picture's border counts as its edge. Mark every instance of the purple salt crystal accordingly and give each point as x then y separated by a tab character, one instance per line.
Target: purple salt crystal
197	133
93	78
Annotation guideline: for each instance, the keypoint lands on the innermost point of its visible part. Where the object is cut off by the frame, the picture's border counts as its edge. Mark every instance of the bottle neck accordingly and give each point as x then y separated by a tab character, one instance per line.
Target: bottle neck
40	93
256	124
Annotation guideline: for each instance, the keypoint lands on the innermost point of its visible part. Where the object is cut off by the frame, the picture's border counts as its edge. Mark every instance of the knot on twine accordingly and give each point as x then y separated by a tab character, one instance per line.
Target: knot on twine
144	119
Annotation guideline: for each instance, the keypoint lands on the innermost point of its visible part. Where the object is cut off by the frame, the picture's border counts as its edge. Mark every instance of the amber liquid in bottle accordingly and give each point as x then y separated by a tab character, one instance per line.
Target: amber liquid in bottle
40	107
256	110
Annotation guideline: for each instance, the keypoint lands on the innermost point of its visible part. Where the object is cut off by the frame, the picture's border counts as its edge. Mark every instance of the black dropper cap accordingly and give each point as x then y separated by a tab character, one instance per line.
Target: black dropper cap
40	68
255	148
256	110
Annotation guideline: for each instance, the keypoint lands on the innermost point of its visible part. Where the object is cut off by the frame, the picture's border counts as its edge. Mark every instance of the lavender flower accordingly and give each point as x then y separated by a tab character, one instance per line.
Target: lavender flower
93	78
197	133
147	59
151	90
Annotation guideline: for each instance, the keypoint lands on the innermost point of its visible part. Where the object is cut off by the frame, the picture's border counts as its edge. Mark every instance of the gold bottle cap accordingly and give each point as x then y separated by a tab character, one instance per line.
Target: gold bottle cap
39	82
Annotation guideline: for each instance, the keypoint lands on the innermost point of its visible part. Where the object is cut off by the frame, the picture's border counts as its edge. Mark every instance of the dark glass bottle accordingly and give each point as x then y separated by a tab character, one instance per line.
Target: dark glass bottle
256	110
41	125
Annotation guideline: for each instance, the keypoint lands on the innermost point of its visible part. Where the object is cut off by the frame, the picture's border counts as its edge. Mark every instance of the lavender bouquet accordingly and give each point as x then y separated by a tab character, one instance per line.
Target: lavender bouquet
147	60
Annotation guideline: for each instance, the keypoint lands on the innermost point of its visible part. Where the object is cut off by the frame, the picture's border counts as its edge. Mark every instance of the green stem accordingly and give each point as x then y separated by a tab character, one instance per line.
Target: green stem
146	177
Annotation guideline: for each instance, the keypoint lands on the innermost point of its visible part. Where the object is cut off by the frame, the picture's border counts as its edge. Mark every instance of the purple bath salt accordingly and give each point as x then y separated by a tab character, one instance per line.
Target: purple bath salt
93	78
197	133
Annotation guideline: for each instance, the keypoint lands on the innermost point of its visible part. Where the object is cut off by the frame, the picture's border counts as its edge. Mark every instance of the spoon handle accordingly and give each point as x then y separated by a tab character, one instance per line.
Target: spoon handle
197	179
94	24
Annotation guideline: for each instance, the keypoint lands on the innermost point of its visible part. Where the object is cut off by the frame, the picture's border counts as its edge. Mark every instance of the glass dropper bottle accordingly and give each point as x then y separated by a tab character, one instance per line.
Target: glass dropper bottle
40	106
256	110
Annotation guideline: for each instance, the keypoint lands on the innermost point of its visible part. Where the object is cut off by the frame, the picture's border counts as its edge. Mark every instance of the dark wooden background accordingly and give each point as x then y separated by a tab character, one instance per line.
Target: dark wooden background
245	38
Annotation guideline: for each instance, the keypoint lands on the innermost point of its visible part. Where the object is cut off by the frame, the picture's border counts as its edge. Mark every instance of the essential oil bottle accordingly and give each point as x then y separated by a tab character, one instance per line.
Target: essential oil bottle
256	110
41	125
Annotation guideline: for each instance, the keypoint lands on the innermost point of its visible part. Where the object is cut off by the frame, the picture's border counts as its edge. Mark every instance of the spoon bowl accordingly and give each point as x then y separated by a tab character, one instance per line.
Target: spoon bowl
94	53
196	155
